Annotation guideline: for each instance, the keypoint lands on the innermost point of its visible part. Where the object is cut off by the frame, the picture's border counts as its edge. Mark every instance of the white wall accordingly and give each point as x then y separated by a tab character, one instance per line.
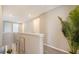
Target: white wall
1	25
52	26
28	26
43	27
32	26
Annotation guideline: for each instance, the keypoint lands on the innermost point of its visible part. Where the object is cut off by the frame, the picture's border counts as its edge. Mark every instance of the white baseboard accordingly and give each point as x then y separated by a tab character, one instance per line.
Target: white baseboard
61	50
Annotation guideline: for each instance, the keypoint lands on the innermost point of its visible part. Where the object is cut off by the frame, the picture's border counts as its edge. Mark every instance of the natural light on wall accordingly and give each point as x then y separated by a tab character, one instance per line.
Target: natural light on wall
36	24
23	27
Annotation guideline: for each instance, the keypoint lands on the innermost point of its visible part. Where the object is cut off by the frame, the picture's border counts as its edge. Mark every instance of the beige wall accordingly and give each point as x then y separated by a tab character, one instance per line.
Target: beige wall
1	25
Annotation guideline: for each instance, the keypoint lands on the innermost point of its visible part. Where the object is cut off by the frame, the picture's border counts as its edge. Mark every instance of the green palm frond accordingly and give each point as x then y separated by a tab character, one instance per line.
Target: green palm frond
70	29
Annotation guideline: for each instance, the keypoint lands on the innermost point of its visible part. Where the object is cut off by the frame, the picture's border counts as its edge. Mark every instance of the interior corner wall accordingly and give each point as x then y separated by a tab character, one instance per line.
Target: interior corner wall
51	26
1	26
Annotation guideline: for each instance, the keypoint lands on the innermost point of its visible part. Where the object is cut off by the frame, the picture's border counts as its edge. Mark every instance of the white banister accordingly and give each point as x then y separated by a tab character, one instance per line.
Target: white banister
29	43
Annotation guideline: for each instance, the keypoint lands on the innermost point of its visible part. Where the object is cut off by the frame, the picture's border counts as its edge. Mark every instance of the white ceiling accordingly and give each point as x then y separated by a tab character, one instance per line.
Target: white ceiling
26	11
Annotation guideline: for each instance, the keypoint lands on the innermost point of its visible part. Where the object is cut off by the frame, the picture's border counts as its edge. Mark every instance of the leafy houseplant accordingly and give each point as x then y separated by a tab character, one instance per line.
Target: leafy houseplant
70	29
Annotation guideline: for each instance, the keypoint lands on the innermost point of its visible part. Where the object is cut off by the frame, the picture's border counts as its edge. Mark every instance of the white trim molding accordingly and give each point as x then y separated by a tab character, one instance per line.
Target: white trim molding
61	50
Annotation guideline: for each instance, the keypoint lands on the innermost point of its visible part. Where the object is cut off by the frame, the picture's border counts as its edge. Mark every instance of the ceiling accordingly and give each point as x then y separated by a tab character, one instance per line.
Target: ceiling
25	11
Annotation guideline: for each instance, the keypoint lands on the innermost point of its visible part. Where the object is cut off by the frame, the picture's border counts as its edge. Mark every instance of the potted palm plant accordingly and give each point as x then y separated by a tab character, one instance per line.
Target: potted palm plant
70	29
